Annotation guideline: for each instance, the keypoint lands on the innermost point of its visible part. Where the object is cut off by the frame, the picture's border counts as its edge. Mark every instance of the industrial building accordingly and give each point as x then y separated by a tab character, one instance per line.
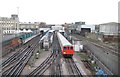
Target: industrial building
12	25
83	29
29	25
109	31
76	27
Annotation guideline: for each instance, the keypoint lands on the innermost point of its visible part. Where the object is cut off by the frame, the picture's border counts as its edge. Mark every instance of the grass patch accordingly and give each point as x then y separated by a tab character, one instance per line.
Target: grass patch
83	56
93	65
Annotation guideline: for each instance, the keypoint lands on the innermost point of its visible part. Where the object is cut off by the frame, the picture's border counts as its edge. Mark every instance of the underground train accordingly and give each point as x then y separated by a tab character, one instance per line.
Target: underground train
17	40
66	47
13	43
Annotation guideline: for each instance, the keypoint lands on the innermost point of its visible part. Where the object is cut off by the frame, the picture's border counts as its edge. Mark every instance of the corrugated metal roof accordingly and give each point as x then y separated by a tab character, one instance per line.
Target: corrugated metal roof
110	23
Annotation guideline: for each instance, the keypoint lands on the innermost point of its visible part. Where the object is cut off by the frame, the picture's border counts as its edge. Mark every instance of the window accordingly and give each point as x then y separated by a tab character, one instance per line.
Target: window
68	48
71	48
65	48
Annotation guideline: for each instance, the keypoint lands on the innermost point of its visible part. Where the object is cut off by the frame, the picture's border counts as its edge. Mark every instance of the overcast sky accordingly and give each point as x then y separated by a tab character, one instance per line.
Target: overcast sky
61	11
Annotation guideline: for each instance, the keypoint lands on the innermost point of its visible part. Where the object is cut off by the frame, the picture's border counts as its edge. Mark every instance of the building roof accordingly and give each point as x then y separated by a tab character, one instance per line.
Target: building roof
110	23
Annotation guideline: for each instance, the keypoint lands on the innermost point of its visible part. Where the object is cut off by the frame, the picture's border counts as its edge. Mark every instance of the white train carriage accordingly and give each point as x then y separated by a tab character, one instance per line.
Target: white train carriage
51	39
62	32
66	47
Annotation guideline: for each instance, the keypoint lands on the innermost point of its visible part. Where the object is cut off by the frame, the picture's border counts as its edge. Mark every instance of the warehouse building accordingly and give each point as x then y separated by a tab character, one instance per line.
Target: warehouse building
76	27
87	29
109	31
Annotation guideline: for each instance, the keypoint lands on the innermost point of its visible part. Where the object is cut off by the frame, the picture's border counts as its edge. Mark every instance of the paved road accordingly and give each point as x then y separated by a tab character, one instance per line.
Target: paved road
110	60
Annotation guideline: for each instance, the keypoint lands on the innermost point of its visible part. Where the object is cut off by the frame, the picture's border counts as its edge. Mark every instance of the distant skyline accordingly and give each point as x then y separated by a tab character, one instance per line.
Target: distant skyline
61	11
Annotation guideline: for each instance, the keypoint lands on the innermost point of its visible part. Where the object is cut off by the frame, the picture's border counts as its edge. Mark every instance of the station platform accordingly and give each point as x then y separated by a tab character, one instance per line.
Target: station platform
26	40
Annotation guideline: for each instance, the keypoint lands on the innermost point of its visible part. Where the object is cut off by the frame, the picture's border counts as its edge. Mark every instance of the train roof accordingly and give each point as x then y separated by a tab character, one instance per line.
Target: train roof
51	30
63	40
61	30
44	29
46	35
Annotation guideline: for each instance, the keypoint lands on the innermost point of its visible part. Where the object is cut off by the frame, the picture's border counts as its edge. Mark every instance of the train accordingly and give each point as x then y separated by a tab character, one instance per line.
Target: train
67	48
26	36
62	32
13	43
10	45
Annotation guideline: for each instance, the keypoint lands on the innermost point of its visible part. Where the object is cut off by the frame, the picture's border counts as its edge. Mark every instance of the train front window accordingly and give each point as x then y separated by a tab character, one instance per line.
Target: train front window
71	48
65	48
68	48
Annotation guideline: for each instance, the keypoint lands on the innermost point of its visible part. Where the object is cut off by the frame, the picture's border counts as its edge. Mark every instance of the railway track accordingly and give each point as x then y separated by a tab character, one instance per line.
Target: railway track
43	66
56	65
108	49
99	62
18	67
52	62
72	68
105	47
49	62
105	56
16	56
20	60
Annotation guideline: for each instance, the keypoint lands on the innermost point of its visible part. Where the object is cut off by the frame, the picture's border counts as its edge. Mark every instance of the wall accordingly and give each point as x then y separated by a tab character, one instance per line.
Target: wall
109	29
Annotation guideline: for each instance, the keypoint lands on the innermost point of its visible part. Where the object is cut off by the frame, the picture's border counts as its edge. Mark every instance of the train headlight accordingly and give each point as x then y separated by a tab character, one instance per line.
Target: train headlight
64	52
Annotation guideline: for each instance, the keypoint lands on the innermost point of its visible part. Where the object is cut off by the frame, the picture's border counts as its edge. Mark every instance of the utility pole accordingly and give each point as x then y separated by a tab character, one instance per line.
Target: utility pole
18	11
17	20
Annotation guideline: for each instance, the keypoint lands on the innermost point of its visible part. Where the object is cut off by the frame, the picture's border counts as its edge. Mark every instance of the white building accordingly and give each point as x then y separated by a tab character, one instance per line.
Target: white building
9	25
109	31
91	27
109	28
57	27
29	25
